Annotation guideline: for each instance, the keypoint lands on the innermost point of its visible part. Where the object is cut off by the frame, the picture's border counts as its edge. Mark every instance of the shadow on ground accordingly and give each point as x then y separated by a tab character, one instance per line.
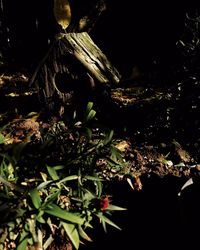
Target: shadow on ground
155	218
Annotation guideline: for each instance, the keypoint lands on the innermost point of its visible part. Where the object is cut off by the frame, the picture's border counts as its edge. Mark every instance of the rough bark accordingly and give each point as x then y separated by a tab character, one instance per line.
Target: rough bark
76	57
91	57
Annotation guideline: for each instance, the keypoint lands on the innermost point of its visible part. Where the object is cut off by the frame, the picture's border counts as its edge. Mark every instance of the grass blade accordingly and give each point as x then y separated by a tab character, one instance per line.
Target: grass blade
35	198
72	233
104	219
63	214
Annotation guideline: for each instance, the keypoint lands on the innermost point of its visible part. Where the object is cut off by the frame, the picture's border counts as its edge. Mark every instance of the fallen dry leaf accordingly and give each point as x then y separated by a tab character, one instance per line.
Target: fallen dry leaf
123	146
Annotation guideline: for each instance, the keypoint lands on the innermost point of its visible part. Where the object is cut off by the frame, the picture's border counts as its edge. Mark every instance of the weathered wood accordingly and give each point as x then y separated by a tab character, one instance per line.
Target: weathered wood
75	56
91	57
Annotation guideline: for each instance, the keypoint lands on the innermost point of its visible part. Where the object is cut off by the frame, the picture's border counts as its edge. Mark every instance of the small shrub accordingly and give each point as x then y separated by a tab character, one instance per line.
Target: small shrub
51	181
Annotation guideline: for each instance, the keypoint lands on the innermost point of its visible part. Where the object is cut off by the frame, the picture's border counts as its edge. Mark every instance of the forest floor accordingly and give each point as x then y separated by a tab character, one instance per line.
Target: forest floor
142	123
163	156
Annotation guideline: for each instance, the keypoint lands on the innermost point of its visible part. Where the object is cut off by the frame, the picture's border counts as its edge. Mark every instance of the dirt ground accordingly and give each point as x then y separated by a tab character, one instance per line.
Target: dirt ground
157	218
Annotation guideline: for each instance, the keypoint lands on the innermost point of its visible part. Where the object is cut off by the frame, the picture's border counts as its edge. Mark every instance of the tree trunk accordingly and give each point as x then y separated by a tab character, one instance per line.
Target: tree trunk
74	57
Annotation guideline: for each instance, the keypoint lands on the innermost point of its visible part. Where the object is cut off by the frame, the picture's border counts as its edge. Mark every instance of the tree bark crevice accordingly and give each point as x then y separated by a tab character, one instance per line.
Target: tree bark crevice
78	58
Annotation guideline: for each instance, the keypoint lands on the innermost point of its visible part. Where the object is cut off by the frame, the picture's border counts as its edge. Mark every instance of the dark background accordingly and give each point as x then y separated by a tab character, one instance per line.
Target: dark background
129	32
141	32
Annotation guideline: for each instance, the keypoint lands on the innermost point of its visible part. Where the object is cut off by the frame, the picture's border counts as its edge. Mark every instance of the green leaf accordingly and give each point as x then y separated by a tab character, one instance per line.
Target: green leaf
2	139
88	195
51	198
52	172
104	226
23	244
59	167
116	153
69	178
115	208
98	184
108	221
63	214
72	233
35	197
44	184
88	133
83	234
92	178
91	115
23	240
89	107
99	188
108	137
40	218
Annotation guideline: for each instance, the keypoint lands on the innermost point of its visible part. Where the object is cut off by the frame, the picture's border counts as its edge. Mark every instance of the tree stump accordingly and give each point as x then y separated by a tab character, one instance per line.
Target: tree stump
73	61
72	57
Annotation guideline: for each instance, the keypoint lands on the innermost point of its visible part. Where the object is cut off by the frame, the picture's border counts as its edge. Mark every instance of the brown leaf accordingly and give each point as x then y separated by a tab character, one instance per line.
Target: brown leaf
62	12
139	157
184	155
122	146
138	183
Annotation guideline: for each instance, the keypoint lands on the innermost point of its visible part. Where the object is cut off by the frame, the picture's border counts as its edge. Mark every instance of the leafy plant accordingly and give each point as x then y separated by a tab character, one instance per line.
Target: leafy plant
52	185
